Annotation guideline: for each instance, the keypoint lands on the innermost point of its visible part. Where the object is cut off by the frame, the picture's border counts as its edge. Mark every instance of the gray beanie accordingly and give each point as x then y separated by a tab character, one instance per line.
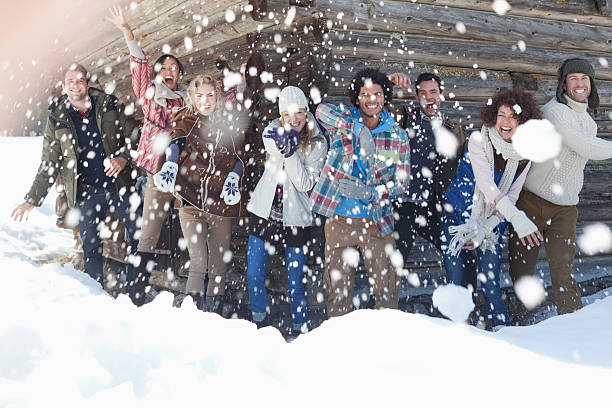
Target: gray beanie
573	66
290	99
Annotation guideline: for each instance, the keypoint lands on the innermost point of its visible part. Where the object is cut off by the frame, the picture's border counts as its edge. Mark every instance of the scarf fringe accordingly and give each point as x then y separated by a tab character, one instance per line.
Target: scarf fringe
481	210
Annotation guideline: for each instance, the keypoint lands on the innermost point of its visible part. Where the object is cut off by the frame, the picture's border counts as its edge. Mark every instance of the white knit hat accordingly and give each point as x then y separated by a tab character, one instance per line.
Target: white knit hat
290	99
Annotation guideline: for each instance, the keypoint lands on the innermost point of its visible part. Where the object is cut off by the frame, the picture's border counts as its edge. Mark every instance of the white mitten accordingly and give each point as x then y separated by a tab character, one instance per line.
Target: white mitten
486	230
165	178
522	225
231	189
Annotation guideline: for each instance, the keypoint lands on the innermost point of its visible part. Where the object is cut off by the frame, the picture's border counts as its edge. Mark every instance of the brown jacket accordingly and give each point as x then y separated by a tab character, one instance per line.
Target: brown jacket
211	151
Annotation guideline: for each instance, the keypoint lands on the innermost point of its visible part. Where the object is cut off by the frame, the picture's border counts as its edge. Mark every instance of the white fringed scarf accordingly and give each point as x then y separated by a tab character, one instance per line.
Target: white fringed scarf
481	209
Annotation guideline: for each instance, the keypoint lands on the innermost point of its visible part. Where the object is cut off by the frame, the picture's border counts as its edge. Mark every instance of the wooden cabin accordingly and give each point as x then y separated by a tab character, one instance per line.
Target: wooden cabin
322	43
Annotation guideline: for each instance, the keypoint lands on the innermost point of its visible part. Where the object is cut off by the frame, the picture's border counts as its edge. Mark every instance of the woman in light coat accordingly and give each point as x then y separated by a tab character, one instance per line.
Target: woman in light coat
280	204
482	198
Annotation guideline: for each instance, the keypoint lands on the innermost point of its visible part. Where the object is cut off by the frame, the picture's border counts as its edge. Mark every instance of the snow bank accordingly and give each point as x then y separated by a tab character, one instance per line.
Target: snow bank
65	342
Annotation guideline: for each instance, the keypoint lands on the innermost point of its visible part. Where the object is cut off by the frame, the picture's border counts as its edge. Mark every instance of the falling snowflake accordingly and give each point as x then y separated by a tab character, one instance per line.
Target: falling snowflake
537	140
501	7
596	238
530	291
454	302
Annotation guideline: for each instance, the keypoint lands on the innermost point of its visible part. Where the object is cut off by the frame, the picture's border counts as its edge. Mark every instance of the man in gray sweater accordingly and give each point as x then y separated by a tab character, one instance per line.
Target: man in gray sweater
550	193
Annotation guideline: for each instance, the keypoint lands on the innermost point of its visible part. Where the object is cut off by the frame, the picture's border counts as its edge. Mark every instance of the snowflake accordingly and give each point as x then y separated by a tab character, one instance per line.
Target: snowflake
167	176
231	188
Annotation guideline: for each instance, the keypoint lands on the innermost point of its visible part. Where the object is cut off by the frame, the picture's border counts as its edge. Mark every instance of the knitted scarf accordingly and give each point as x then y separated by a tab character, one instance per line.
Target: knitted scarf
481	209
162	92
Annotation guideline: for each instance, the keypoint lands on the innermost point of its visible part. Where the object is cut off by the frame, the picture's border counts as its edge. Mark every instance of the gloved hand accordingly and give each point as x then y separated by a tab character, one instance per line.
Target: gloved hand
231	189
352	187
485	230
165	178
293	140
279	136
522	225
366	143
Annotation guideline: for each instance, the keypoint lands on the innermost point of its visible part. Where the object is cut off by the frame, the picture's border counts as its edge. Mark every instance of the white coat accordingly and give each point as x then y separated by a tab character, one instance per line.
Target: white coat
297	174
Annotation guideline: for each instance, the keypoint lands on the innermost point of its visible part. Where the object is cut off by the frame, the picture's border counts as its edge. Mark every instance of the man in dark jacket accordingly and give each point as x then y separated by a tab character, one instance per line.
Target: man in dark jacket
87	144
431	169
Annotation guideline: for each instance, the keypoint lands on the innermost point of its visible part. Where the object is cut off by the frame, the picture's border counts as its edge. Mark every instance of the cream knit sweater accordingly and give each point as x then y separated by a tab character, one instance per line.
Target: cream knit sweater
560	180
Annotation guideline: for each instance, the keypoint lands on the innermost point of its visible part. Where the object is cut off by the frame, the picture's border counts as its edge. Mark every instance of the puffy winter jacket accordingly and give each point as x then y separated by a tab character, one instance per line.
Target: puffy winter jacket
60	151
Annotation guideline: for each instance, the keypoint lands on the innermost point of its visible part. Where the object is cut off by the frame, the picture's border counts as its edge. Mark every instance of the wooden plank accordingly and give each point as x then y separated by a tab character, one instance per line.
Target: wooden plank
460	53
461	84
152	21
580	11
437	21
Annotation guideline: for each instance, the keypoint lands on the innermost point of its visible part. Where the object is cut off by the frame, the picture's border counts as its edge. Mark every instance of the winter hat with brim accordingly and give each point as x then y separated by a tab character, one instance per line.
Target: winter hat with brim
291	99
574	66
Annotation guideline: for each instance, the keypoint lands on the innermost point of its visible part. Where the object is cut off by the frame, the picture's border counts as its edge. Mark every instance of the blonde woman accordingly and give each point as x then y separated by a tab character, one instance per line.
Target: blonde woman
204	169
295	154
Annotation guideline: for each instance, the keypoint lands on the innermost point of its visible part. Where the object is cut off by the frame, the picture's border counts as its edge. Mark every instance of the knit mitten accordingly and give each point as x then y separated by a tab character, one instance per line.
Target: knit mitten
165	178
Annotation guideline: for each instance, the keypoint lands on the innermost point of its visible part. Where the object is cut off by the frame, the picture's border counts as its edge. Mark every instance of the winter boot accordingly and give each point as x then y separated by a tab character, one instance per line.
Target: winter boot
263	323
198	300
214	304
138	277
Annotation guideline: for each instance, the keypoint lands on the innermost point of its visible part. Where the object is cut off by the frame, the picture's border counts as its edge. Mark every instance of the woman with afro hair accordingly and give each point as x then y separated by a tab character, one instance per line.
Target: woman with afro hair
482	198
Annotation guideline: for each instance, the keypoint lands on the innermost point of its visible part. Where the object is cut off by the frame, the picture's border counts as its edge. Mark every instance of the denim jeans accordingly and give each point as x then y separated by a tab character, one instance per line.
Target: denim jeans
93	204
489	267
257	256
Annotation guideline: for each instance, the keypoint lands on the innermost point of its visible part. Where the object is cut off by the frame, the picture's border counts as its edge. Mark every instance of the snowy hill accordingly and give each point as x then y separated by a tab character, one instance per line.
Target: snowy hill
65	342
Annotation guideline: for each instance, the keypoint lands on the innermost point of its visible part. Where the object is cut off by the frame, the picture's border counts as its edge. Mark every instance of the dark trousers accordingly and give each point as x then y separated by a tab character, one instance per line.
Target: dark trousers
426	221
558	226
414	220
93	204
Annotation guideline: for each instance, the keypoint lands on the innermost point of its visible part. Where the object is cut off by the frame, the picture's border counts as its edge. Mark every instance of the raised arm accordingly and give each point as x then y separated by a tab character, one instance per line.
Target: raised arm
572	135
139	62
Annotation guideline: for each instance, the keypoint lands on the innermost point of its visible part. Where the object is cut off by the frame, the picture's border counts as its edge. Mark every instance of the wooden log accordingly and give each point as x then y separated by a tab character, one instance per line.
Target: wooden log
580	11
395	47
163	23
437	21
465	84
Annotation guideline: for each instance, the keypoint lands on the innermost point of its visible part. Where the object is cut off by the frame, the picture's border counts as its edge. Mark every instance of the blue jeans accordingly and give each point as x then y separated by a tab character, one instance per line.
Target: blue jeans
93	203
489	267
295	258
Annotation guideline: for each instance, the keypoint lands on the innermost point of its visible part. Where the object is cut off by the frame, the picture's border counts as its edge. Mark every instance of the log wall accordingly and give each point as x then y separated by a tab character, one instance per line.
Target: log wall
476	52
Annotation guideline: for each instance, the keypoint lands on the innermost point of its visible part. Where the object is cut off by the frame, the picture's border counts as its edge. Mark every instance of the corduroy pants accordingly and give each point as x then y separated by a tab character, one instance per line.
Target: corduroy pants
343	237
208	239
154	212
557	223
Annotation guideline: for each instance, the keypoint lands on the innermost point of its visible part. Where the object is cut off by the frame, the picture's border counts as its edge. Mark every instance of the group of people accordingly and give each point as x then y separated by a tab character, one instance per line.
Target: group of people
378	177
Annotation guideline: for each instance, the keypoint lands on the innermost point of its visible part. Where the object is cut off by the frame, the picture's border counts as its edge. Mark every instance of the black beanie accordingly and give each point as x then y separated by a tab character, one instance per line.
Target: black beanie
573	66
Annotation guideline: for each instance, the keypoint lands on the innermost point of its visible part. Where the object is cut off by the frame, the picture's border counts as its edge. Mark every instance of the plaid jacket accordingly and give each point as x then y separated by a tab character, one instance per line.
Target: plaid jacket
389	169
158	118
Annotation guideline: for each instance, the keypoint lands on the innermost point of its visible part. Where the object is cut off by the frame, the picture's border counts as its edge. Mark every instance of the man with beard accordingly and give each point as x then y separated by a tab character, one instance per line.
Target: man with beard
85	144
550	193
367	170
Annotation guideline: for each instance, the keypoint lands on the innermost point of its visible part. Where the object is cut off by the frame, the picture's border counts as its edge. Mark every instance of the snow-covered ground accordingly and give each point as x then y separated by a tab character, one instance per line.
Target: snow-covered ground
65	342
